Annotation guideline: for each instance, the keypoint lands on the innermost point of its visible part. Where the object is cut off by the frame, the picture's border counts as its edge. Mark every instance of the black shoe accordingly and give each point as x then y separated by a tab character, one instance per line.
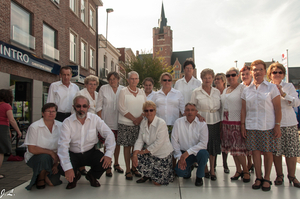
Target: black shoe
93	181
207	175
40	186
198	182
291	180
213	177
226	170
246	179
83	172
136	173
280	181
258	186
108	172
266	188
72	185
143	179
118	168
237	177
128	177
251	169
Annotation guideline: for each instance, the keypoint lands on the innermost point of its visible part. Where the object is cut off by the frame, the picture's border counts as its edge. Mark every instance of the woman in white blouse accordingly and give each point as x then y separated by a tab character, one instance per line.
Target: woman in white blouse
155	161
130	106
148	84
289	141
208	101
231	136
260	122
169	101
107	109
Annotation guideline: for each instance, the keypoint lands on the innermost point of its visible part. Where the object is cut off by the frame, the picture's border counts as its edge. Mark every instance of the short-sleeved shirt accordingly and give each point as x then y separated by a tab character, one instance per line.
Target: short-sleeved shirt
186	88
4	107
260	113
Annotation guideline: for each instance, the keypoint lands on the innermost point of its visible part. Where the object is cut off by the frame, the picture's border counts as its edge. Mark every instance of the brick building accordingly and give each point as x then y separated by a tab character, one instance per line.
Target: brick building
36	39
126	57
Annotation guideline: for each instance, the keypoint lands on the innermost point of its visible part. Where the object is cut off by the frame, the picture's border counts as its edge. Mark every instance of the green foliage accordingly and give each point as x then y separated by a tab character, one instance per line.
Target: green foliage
147	66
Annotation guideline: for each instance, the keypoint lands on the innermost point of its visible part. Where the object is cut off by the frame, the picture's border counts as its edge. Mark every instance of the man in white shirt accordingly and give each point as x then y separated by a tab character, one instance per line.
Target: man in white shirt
189	140
62	93
188	83
76	145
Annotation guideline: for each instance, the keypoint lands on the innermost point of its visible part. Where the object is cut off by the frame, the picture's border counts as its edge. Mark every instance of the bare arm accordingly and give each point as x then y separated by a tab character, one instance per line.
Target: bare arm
13	122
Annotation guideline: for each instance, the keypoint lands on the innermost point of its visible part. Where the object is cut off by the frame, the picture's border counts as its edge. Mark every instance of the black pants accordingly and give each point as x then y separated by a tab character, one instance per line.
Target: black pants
89	158
62	116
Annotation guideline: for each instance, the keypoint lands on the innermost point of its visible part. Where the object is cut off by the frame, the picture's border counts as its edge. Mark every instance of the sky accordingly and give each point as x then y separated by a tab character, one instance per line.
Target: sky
221	31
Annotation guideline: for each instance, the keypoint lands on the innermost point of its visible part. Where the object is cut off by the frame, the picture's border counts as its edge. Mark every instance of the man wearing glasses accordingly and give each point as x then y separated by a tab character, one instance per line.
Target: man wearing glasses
76	145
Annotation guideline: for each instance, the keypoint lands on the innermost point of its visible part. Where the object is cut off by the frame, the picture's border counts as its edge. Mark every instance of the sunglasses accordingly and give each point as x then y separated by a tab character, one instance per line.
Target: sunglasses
167	80
148	110
275	72
232	75
83	106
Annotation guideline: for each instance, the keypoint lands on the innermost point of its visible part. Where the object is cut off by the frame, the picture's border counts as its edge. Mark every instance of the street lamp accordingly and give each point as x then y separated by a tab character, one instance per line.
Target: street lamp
235	63
108	10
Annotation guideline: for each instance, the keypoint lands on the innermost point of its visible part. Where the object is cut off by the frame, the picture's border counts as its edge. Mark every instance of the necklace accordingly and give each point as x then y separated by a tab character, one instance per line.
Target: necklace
132	90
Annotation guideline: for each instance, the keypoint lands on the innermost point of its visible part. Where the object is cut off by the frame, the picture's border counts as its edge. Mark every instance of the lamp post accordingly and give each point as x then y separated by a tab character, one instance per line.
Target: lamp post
108	10
235	63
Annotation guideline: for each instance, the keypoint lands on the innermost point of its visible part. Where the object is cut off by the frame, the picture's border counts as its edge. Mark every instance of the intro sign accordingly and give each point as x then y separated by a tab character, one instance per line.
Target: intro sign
18	55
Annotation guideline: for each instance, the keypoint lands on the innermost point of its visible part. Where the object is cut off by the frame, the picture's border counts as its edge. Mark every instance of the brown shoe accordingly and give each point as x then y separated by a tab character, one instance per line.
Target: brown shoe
72	185
93	181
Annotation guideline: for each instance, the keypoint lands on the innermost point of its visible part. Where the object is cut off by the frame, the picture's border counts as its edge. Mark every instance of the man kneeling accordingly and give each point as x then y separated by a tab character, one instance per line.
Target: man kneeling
76	145
189	140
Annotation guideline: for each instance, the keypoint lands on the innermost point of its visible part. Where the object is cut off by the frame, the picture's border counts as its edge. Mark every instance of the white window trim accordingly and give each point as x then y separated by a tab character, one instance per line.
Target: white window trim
94	58
86	53
75	6
76	46
93	25
85	12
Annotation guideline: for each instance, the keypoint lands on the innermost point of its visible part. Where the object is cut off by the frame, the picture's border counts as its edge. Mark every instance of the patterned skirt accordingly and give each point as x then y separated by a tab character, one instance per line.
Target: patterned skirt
263	141
160	170
232	140
289	142
214	142
127	135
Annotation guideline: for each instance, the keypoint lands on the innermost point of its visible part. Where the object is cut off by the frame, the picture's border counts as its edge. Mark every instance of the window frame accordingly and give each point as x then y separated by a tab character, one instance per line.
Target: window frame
83	53
75	44
92	58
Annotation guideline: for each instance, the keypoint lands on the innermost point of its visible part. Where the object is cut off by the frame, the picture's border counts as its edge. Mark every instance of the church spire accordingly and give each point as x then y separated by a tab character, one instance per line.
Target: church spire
163	20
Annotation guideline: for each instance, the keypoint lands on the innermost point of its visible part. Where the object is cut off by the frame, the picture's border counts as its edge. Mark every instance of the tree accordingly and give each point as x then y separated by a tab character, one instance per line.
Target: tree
148	66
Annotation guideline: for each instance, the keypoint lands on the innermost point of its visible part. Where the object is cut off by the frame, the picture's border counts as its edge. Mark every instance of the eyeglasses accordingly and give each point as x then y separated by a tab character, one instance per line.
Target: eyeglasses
257	70
148	110
232	75
275	72
83	106
167	80
50	111
218	78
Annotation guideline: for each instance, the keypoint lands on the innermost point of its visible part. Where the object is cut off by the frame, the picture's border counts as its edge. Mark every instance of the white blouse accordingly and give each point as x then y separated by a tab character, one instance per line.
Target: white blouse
150	96
128	103
208	106
287	111
39	135
92	101
260	113
107	103
156	138
169	106
186	88
232	103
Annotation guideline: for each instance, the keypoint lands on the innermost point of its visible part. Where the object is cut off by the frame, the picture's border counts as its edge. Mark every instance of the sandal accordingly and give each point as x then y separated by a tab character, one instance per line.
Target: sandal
108	172
2	176
136	173
240	174
128	177
266	188
246	179
254	186
291	180
279	180
118	168
40	186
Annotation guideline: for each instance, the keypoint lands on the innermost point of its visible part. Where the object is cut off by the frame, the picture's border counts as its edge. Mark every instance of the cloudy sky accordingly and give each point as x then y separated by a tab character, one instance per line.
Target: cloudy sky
221	31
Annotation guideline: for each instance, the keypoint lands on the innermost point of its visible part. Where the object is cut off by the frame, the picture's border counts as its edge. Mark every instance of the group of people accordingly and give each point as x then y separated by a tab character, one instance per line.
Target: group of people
168	132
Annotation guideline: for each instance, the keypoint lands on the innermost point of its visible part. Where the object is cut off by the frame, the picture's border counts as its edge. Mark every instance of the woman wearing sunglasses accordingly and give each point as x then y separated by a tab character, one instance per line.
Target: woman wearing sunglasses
208	100
169	101
289	141
232	139
155	161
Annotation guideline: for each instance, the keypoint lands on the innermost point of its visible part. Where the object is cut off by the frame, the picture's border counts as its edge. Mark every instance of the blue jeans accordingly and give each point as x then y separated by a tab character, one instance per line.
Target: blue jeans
201	159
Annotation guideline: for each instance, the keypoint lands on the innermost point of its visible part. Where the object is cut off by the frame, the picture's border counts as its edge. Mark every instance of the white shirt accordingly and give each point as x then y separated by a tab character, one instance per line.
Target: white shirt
186	88
288	114
108	105
260	114
207	105
190	137
150	96
62	96
79	138
232	103
128	103
156	138
92	101
39	135
169	106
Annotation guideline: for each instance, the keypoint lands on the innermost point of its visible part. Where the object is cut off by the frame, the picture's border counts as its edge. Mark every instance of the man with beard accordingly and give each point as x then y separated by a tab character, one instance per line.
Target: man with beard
76	145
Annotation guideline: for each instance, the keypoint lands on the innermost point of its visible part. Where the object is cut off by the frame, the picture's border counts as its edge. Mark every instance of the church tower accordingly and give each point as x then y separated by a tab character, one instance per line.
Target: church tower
163	39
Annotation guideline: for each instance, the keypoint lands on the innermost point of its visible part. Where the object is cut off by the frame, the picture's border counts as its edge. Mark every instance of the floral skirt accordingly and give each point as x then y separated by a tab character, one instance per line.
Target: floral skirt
232	140
263	141
127	135
160	170
289	142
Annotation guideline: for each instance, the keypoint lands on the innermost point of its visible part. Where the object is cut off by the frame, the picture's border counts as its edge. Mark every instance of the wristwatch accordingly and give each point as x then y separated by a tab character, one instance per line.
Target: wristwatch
283	95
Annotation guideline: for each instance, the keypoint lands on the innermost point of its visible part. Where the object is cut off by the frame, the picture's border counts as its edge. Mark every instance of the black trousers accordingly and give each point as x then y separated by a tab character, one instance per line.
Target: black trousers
89	158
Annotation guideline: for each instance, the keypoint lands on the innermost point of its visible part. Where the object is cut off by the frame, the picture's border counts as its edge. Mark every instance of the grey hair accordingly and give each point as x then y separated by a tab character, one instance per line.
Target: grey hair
190	104
233	69
81	96
131	73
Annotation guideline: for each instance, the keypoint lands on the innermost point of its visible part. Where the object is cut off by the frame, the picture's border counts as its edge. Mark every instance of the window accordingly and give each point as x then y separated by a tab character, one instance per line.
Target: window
83	54
112	66
104	61
21	26
73	5
55	1
82	11
177	74
92	18
92	58
73	41
49	42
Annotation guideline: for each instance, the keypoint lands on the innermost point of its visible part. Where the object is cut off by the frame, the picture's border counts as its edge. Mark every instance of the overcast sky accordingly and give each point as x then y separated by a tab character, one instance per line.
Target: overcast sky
221	31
